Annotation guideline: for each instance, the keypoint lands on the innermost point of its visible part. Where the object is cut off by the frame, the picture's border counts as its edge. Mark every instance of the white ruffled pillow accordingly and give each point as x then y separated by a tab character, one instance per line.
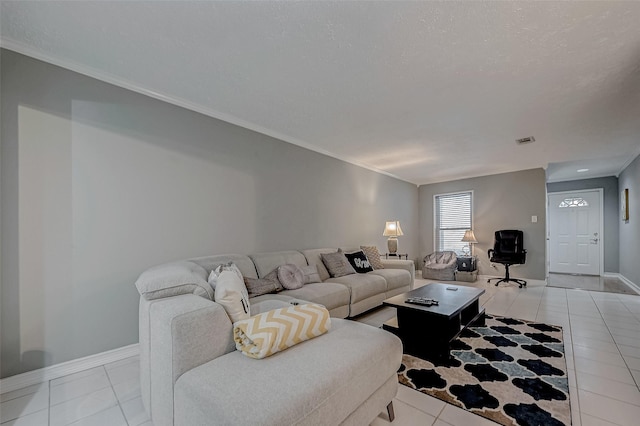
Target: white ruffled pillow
232	294
213	276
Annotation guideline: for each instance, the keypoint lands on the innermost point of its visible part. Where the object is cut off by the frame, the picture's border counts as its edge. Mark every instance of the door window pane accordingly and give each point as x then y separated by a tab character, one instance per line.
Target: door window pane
573	202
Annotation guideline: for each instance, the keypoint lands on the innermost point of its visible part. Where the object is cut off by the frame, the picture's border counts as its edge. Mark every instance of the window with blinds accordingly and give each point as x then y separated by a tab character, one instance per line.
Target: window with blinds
452	219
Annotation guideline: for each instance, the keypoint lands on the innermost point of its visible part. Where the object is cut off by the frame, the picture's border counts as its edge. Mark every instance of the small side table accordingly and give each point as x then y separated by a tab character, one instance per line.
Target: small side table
467	269
398	255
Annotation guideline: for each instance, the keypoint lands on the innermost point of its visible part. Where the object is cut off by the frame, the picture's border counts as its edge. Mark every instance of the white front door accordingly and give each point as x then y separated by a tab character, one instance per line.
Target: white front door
574	232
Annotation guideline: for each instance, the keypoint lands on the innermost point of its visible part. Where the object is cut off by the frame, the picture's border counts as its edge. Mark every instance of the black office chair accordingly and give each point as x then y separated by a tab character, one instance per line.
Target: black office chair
508	250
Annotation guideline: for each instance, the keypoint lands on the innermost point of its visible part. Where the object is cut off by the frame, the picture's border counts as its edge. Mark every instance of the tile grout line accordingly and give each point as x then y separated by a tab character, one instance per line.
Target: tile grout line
116	395
573	360
618	351
540	301
49	404
77	420
439	414
616	343
118	400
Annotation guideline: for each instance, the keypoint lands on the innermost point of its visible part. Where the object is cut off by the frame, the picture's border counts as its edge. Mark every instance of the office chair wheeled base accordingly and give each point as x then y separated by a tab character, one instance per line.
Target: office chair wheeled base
508	279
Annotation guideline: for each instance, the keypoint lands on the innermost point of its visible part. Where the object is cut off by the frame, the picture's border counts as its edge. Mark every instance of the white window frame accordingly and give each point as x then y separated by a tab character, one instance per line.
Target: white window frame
435	217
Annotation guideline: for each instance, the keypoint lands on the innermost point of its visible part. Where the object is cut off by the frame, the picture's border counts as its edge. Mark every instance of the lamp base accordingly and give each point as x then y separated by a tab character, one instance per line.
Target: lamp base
392	245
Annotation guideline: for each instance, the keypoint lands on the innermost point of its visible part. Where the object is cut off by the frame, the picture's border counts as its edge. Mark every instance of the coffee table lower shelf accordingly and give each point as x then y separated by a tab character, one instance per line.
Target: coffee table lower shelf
429	337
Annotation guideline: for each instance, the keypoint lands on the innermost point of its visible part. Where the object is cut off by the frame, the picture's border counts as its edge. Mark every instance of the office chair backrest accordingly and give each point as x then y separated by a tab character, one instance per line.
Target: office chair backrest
508	241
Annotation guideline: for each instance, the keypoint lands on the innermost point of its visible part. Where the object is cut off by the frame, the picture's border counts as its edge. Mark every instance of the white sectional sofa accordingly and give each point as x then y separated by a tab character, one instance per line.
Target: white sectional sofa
191	373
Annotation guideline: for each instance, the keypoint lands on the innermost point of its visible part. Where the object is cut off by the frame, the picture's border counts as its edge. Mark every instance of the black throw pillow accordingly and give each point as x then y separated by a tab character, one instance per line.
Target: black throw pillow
359	261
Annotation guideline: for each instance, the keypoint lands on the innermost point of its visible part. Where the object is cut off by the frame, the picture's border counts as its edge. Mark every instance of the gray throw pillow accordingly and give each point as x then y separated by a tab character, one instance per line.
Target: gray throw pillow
290	276
373	256
311	274
337	264
265	285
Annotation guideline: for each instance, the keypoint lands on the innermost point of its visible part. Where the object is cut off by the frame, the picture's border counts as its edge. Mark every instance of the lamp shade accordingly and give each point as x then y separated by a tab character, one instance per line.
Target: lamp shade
392	229
469	237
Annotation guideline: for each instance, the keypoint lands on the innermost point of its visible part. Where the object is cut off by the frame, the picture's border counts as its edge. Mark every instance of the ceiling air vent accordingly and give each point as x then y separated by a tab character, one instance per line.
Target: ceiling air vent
525	140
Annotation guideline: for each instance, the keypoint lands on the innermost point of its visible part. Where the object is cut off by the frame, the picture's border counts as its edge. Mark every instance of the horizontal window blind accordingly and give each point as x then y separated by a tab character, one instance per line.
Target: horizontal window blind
453	218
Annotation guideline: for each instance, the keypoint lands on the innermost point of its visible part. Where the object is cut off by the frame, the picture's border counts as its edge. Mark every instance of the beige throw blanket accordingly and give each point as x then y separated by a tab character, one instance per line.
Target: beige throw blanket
270	332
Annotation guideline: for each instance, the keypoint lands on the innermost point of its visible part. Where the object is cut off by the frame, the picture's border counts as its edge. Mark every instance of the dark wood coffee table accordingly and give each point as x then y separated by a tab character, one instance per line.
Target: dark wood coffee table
427	331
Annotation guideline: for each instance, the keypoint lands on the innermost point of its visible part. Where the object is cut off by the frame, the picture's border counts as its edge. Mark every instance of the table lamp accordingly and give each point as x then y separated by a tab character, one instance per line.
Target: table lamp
470	238
392	230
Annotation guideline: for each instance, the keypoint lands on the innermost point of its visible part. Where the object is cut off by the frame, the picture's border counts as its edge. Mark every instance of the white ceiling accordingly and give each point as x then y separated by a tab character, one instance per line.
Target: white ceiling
425	91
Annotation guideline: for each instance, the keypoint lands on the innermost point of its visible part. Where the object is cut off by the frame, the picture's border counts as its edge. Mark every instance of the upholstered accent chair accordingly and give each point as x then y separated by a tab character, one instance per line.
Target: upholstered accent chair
440	265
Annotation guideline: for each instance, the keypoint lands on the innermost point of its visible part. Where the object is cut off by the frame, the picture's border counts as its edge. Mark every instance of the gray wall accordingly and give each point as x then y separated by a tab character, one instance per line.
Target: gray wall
503	201
99	183
630	231
611	210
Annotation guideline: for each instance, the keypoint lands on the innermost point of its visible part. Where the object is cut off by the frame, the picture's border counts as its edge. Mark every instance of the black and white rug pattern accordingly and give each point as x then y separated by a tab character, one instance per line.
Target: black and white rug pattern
510	371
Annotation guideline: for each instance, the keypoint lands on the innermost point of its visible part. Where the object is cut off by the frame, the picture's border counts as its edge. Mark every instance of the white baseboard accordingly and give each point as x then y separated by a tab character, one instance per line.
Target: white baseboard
29	378
624	279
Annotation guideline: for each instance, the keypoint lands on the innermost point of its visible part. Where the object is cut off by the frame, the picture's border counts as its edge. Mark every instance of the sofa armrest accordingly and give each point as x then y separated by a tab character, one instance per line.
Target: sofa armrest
408	265
178	334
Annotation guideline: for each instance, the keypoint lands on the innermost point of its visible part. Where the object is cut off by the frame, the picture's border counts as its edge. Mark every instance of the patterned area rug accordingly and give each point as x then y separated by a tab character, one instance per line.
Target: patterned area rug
510	371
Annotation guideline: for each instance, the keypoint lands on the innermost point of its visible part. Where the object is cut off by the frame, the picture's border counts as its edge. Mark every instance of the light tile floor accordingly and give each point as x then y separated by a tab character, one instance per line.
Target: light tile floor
589	282
602	342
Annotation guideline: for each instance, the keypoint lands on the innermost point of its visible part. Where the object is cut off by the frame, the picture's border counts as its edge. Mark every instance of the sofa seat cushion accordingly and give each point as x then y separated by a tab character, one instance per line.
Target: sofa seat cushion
439	266
320	381
395	278
362	286
331	295
262	304
313	258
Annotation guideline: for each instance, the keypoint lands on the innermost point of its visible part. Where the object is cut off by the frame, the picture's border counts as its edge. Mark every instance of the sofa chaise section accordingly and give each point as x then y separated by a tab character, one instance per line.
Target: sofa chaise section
321	381
192	374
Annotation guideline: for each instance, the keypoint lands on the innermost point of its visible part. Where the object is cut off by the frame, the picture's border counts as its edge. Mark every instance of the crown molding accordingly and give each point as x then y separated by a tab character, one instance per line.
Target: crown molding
9	44
598	176
629	161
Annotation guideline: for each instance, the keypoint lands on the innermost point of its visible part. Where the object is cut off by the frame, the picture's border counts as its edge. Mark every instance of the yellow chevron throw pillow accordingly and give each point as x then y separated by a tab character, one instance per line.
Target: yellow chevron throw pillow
270	332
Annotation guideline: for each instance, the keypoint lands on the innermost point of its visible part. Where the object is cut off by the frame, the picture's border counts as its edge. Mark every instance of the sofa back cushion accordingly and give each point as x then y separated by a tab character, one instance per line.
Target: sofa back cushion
337	264
267	262
313	258
243	262
311	274
173	279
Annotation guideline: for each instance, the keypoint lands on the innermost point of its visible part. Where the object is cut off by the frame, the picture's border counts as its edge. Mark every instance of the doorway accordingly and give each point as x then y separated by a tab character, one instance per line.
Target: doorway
575	232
